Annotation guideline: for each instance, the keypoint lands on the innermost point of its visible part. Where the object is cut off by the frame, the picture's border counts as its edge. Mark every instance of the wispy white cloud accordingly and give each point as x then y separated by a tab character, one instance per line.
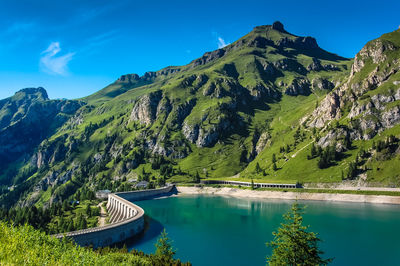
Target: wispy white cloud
53	63
221	43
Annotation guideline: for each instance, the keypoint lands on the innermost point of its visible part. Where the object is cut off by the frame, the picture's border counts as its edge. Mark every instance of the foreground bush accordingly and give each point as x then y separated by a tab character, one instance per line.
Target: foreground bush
24	245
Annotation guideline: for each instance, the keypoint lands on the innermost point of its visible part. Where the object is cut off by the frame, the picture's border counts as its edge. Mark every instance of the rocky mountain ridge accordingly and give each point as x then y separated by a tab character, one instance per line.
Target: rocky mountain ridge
29	117
268	106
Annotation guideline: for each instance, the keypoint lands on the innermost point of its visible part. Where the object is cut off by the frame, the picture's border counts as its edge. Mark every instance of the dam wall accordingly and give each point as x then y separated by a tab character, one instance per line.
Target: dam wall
126	219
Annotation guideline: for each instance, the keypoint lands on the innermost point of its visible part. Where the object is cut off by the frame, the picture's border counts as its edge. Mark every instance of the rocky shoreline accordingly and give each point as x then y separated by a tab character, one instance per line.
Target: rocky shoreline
244	193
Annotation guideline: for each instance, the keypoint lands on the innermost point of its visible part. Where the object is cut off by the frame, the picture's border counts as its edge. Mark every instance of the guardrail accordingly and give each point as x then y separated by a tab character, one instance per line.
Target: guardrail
249	184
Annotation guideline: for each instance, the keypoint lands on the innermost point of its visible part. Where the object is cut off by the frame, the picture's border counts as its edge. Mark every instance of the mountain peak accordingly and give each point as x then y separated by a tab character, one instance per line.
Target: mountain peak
39	92
277	25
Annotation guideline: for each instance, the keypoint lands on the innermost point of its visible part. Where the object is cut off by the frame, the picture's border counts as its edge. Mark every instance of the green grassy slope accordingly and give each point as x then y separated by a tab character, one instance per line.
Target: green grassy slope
237	98
26	246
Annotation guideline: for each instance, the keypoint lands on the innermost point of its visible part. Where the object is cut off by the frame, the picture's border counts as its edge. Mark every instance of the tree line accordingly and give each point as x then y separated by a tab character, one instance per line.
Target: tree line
54	219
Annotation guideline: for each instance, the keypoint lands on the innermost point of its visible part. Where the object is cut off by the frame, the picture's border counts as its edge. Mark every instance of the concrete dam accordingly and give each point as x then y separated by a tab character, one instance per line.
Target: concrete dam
126	219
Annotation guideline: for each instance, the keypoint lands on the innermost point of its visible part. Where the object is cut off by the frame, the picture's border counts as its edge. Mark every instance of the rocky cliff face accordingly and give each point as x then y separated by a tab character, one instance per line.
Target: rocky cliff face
27	118
298	87
145	109
370	94
148	76
369	99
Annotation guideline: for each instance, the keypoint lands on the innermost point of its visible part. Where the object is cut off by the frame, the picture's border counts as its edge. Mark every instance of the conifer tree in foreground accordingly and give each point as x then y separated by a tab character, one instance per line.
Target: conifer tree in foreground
293	244
164	247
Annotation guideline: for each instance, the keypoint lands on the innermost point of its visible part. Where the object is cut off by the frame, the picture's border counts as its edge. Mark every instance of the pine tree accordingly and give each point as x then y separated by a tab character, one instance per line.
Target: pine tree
313	151
88	210
362	152
82	222
65	206
61	223
164	247
273	158
264	173
258	168
274	167
143	171
352	171
70	227
293	244
197	177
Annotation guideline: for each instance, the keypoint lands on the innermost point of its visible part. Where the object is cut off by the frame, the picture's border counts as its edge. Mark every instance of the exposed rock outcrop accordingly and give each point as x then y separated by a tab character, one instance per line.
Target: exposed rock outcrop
206	135
129	78
334	137
306	43
317	66
191	132
374	50
145	109
181	112
208	57
268	69
260	91
209	136
132	78
327	110
54	178
262	142
321	84
164	108
260	42
299	86
290	65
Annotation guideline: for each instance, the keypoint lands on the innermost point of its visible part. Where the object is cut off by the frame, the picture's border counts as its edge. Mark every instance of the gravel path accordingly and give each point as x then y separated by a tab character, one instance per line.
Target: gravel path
103	214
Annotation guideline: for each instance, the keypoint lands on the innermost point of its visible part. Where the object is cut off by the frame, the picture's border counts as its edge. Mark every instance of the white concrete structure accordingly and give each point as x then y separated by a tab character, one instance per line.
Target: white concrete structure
126	219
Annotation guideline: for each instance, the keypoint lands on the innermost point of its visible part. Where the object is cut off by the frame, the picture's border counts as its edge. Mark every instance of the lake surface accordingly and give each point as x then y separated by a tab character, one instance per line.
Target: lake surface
212	230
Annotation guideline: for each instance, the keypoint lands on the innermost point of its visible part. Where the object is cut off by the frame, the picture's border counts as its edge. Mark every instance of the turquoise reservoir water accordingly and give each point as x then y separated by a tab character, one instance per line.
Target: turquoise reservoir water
210	230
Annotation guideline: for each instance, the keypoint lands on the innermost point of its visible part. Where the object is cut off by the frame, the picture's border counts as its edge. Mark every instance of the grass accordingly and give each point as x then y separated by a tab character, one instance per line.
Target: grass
26	246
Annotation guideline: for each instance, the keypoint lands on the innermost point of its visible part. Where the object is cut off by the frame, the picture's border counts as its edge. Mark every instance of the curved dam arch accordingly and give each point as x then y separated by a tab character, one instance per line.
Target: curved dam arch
126	218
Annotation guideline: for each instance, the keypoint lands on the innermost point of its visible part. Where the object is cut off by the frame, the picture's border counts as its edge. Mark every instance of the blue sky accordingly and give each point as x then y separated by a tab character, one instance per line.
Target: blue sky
74	48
